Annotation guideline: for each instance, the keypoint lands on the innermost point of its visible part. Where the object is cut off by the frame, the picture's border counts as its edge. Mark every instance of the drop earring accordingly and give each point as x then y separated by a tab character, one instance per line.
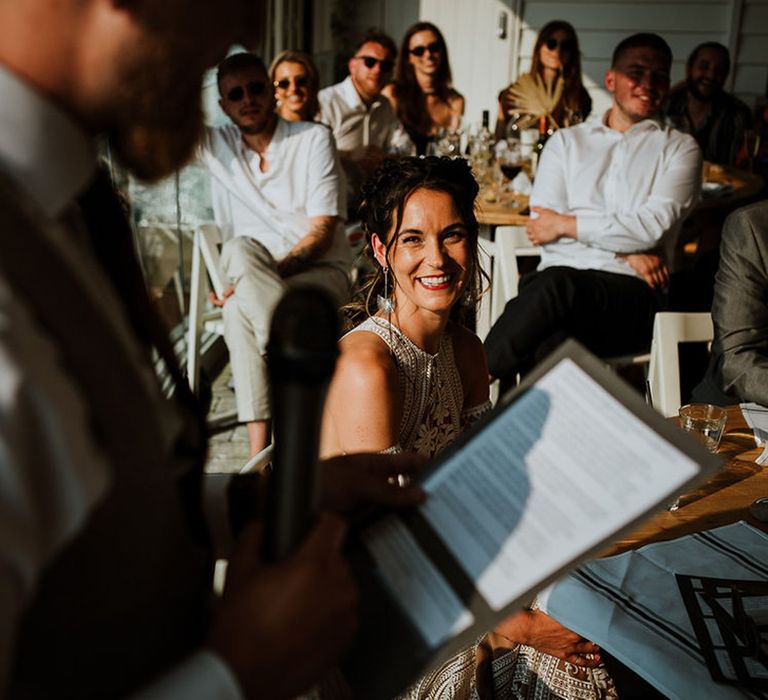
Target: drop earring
385	303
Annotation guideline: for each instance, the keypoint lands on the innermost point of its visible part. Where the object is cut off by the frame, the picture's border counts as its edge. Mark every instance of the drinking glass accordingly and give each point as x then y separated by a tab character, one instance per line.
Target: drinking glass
705	422
449	143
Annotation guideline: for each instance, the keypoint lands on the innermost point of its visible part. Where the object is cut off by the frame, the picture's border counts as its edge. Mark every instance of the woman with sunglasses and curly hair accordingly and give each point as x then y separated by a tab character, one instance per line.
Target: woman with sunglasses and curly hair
553	88
296	81
422	94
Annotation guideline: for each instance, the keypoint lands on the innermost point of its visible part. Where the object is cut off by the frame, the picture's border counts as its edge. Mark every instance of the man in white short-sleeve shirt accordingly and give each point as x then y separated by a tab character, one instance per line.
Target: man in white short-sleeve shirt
277	198
362	119
608	194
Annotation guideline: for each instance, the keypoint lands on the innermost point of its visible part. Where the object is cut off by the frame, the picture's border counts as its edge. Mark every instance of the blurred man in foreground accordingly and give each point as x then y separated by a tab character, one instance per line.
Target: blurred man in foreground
738	371
106	562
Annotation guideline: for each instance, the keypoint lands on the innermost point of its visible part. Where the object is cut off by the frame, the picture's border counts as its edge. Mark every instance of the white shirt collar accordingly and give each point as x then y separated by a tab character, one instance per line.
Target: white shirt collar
352	96
601	124
280	133
41	148
350	93
273	147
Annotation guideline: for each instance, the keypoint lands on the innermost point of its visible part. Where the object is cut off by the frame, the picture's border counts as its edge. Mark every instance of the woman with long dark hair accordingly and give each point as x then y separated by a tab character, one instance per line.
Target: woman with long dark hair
423	94
411	376
553	88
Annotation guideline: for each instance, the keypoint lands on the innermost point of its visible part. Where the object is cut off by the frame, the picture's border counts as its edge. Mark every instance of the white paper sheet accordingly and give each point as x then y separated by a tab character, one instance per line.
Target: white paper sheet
555	474
416	584
756	417
562	469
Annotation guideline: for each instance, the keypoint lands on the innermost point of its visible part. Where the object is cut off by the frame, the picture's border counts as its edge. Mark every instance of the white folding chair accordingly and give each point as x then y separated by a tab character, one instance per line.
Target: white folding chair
499	260
511	243
669	330
260	461
202	316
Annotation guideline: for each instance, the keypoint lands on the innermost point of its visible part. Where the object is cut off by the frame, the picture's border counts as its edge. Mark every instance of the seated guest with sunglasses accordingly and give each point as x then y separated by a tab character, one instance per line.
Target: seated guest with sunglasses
606	192
296	81
553	88
422	93
277	198
363	122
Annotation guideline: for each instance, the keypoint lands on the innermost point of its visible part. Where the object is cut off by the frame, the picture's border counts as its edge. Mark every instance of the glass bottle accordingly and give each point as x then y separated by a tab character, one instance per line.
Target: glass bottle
539	146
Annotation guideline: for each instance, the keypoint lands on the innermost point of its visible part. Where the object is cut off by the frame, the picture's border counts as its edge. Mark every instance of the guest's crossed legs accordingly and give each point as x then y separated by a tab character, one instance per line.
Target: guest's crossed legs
248	315
612	314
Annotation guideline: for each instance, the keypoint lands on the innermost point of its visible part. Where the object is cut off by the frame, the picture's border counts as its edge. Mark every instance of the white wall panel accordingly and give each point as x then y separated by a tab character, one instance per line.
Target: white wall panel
755	18
751	71
630	17
481	61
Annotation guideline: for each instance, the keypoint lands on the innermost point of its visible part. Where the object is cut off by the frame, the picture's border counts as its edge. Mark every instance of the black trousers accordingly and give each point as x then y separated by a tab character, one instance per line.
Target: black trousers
609	313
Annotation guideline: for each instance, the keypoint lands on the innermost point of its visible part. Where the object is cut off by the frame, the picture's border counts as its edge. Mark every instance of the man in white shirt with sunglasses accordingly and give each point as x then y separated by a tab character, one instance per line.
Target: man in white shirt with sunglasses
361	118
278	199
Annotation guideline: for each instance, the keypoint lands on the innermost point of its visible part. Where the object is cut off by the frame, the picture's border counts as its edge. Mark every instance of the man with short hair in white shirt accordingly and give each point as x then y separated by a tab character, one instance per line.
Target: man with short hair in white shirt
278	201
606	194
362	120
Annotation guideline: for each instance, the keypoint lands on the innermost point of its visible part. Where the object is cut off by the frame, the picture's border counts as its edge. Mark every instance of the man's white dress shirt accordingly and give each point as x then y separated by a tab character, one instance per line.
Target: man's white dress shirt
356	125
52	472
275	207
626	190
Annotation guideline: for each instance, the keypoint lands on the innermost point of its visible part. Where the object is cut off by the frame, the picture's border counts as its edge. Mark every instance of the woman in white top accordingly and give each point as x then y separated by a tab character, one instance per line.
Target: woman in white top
411	377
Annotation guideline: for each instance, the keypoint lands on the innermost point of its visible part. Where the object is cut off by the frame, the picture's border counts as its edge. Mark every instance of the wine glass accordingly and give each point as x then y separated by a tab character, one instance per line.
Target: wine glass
449	143
510	163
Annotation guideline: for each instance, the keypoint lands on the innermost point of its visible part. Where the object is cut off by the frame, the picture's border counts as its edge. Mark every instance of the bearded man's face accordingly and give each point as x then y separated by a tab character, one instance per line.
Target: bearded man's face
155	111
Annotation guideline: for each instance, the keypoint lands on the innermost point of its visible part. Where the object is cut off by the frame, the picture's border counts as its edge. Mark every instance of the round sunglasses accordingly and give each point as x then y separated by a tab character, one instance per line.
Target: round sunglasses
255	89
564	45
419	51
386	65
301	82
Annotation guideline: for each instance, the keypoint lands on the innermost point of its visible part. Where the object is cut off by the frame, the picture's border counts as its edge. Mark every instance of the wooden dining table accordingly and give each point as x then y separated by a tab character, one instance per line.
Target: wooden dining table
496	207
738	186
724	499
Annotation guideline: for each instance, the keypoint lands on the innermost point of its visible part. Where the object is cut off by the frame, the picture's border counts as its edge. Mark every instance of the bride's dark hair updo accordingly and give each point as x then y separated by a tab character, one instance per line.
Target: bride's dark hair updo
384	198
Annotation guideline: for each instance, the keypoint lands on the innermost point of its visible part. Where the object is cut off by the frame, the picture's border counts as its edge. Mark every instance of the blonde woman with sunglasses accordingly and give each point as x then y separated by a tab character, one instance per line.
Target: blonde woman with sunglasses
422	94
553	87
296	82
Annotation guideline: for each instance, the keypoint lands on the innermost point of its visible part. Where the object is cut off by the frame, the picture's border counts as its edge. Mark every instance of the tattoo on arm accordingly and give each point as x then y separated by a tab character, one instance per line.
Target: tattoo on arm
317	241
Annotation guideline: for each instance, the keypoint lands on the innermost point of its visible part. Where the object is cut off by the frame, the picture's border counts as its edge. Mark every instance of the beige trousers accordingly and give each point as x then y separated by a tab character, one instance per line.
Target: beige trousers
248	315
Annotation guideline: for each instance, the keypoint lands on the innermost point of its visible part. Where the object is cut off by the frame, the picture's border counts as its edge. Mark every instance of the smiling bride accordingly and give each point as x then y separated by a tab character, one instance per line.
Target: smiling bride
410	376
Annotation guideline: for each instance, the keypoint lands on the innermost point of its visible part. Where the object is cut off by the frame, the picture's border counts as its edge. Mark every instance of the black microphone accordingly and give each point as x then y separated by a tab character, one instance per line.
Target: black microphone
301	356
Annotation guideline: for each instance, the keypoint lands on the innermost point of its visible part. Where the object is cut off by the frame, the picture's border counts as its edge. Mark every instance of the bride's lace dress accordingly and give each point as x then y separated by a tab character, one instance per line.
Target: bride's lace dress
493	668
433	397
